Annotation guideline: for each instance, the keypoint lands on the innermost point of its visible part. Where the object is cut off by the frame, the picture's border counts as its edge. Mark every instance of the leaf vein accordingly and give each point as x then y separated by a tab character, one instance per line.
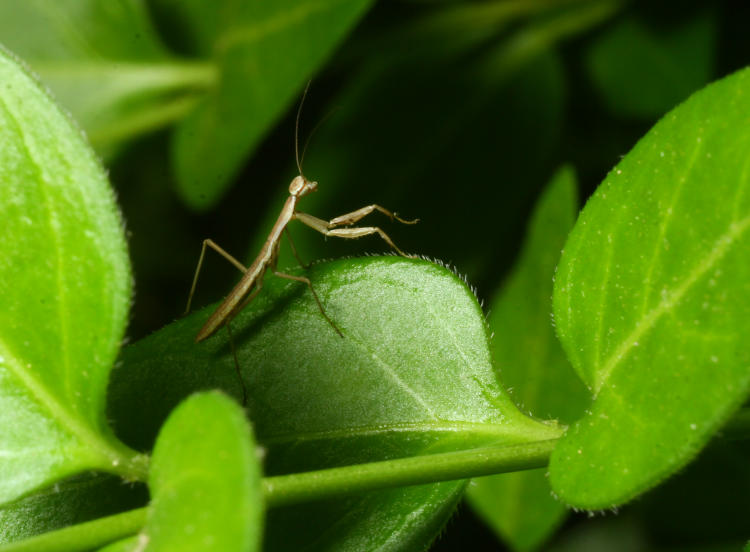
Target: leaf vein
671	299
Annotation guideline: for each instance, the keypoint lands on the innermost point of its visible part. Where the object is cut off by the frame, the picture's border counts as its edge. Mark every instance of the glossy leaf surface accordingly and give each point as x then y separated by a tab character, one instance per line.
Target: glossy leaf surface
533	366
652	300
205	480
412	375
64	295
265	52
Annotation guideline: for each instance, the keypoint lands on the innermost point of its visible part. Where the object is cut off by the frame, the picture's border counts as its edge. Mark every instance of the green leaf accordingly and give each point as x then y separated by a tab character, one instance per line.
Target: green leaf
643	72
519	506
265	52
652	301
205	480
412	375
77	500
104	62
65	288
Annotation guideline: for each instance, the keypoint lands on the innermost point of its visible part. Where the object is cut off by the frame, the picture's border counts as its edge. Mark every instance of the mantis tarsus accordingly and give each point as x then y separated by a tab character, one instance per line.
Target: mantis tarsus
252	280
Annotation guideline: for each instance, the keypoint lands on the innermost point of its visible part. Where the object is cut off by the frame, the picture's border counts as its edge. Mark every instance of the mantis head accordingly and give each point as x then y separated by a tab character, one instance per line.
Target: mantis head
301	186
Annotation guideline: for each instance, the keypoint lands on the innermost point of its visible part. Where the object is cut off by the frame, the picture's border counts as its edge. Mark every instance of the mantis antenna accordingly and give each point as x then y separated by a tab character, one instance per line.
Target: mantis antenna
296	130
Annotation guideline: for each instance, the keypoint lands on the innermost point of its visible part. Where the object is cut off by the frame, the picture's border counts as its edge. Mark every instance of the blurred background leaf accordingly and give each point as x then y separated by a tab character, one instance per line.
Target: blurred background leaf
105	63
642	71
532	364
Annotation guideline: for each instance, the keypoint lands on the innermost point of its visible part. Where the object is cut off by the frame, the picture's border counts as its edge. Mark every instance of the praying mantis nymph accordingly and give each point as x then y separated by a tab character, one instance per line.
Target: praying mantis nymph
252	280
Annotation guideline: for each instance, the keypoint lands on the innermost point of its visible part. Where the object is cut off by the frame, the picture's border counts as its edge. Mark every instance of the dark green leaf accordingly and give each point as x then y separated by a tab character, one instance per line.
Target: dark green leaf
412	375
643	72
265	52
65	289
104	62
652	300
80	499
519	506
205	480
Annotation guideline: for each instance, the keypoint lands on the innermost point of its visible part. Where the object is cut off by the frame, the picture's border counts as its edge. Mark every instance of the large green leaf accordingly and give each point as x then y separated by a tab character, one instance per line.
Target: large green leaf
65	293
643	72
411	375
104	62
265	52
205	480
519	506
652	300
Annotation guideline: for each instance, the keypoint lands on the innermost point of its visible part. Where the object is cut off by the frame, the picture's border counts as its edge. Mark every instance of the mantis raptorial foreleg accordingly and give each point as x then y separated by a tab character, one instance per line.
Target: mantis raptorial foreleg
213	245
325	227
359	214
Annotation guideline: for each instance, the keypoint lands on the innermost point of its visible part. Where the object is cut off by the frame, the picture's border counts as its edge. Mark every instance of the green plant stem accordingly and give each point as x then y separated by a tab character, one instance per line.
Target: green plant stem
84	536
284	490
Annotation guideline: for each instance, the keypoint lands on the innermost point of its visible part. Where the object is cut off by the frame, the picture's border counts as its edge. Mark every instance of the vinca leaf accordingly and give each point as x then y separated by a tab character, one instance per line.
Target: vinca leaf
205	480
643	72
64	295
526	352
652	300
412	375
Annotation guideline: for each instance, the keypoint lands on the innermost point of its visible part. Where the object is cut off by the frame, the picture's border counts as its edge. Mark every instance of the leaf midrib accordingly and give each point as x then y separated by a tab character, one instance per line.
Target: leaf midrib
671	299
76	426
482	429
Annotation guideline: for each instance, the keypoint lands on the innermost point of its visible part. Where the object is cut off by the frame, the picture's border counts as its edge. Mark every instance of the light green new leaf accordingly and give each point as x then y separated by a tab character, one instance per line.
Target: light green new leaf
652	300
411	375
64	295
643	72
104	62
205	480
265	52
526	352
